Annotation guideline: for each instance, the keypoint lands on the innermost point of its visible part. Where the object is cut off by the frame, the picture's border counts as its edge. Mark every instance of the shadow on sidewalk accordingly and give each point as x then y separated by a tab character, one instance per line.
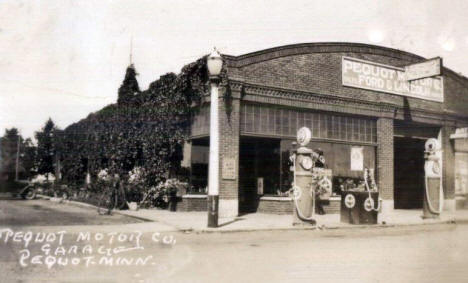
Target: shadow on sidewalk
230	222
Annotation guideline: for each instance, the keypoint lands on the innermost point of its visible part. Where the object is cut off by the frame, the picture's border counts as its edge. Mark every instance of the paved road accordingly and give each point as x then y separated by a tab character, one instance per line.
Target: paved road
47	213
430	253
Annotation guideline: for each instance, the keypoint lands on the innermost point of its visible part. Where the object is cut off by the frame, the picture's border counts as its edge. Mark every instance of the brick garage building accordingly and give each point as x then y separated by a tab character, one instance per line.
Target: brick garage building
272	93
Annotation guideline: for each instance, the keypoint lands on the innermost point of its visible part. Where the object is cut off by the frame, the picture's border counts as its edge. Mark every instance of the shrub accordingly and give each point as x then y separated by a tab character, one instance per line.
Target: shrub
158	196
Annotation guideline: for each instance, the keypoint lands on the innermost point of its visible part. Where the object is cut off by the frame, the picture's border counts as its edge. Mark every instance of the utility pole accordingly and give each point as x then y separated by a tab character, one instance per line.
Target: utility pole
17	157
131	50
214	64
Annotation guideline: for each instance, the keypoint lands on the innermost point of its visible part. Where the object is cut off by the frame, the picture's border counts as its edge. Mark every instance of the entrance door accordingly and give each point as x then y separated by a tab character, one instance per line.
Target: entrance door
258	158
408	172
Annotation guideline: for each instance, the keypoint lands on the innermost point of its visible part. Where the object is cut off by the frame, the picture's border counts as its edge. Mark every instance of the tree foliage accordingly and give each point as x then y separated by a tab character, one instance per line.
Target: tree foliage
12	144
145	128
46	147
129	87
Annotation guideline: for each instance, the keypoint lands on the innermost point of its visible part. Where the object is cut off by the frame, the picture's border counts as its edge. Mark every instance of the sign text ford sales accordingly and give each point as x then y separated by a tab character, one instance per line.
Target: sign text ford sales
378	77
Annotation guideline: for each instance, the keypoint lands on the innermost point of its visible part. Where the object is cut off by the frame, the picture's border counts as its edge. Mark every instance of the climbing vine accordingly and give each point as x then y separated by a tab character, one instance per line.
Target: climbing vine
145	128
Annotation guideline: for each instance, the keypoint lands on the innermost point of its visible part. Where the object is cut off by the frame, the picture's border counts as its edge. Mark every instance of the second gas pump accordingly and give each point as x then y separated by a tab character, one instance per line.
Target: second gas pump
304	185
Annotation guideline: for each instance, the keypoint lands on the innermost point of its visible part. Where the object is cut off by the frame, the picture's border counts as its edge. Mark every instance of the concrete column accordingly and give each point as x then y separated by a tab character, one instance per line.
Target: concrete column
229	119
385	159
448	167
186	161
460	142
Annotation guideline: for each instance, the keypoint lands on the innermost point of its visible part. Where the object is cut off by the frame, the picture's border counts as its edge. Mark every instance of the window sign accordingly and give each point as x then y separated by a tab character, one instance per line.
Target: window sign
357	158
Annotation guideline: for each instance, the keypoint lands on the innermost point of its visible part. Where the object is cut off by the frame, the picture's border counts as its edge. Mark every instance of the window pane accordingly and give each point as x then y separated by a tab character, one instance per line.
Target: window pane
256	119
278	121
271	121
285	122
264	119
293	123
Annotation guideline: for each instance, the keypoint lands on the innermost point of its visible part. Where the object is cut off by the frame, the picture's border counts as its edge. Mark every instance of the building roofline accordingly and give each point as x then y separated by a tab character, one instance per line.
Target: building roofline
325	47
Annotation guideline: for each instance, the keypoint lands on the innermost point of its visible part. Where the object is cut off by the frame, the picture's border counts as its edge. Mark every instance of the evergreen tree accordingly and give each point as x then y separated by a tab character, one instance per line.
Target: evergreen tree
28	158
129	87
8	152
46	148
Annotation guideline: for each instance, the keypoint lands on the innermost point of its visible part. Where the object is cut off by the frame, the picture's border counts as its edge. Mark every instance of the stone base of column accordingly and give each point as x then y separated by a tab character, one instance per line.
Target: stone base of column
387	207
213	206
449	205
460	202
228	208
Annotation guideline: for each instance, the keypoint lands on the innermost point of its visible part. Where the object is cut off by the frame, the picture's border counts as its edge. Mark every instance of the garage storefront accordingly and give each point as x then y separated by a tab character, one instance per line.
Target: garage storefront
354	99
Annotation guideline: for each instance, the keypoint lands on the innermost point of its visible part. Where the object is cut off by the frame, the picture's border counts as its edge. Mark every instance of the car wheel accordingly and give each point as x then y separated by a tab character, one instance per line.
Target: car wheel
30	194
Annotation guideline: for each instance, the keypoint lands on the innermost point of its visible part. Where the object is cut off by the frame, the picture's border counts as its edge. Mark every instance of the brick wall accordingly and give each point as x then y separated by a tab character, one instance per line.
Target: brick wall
281	206
333	207
193	204
229	110
385	158
316	68
321	73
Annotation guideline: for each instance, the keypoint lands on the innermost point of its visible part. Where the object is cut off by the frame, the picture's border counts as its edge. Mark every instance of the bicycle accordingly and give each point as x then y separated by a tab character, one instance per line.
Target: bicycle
112	198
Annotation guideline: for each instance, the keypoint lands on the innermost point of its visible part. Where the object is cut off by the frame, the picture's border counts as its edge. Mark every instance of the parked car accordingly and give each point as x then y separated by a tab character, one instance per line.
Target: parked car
29	191
20	188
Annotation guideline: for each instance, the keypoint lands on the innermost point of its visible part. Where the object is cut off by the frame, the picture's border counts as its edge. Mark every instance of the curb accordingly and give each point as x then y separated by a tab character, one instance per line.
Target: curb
87	205
324	228
243	230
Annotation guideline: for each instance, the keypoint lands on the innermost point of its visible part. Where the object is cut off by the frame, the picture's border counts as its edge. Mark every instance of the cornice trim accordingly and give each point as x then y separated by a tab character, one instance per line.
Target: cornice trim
383	109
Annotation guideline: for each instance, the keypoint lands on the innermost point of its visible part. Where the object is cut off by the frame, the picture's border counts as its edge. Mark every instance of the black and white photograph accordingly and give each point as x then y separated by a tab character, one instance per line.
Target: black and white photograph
233	141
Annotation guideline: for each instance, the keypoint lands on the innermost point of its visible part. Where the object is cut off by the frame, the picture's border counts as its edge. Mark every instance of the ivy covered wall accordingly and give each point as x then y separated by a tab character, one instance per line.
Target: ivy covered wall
144	128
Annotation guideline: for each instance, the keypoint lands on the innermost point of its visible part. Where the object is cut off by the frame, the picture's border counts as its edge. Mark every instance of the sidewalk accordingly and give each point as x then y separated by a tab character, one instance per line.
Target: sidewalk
197	221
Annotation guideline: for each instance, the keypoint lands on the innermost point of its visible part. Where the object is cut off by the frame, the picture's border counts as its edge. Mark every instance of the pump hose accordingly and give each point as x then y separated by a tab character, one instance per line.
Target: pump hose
297	195
299	213
441	196
370	196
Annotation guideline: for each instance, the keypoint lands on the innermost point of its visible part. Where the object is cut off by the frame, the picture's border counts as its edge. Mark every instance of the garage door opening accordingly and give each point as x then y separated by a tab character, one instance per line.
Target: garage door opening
409	141
409	173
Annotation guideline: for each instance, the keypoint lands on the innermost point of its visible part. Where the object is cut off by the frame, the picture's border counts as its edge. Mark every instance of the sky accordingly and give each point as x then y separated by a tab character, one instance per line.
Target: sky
66	58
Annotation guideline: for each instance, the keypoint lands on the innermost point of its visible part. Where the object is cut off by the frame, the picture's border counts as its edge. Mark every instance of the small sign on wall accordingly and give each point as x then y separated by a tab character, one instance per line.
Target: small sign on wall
357	158
229	169
260	186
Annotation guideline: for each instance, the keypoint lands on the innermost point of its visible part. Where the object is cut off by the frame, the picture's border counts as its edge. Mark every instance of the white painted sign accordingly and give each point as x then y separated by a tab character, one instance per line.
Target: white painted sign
229	169
357	158
383	78
426	69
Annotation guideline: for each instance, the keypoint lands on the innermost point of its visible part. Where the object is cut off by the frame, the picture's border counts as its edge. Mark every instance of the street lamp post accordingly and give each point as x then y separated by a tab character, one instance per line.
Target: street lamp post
215	63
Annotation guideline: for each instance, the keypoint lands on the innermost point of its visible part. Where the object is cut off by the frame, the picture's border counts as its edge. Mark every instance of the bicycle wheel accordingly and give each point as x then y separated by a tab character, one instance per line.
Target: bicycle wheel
105	204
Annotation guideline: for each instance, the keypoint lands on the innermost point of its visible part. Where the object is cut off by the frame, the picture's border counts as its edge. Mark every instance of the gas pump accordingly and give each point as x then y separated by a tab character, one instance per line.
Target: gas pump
361	205
369	181
433	193
303	190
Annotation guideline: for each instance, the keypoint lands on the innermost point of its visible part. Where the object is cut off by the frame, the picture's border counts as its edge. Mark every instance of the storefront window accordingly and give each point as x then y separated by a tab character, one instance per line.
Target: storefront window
338	159
199	167
284	122
334	134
